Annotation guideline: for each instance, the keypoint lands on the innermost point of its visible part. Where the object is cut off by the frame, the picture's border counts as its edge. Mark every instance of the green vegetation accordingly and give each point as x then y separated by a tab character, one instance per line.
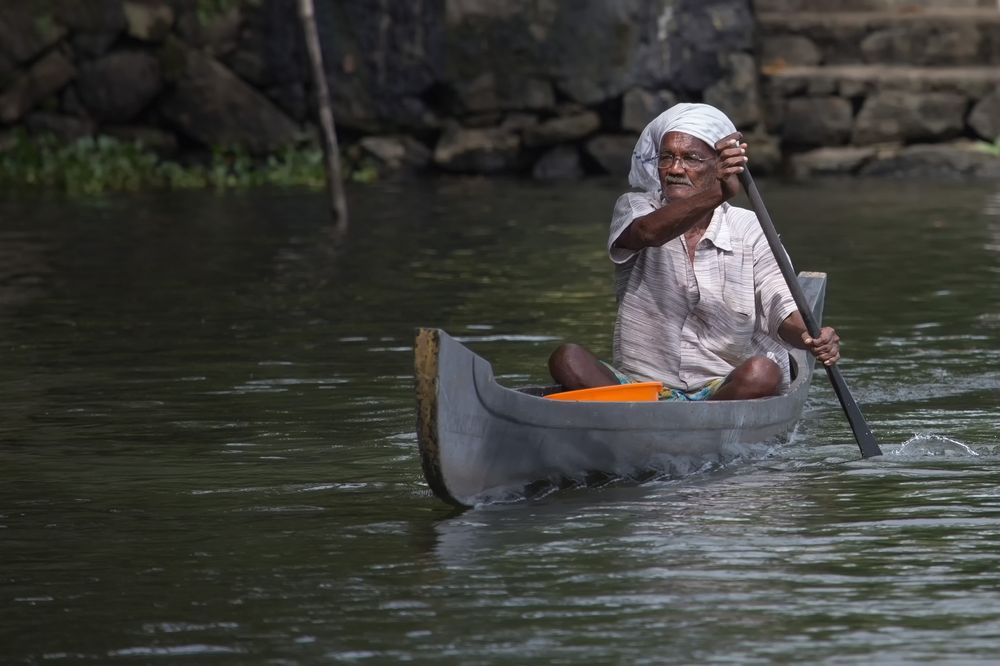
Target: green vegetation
45	25
208	10
991	148
104	164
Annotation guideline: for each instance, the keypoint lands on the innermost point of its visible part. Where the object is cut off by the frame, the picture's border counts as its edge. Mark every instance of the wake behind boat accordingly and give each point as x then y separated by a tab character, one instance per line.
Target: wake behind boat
481	441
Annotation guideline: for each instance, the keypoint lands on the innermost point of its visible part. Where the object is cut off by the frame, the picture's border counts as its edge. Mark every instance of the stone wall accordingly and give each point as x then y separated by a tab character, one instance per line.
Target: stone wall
542	87
547	88
179	74
882	87
551	88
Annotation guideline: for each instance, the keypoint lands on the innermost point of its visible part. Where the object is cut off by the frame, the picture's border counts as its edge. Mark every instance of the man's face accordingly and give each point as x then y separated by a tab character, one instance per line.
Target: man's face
686	165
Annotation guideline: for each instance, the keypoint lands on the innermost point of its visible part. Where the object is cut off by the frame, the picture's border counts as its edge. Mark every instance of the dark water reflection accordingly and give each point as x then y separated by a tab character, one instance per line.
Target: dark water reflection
206	434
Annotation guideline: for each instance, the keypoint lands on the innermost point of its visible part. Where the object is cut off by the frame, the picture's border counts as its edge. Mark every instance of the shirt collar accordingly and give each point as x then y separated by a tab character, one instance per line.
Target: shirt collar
718	230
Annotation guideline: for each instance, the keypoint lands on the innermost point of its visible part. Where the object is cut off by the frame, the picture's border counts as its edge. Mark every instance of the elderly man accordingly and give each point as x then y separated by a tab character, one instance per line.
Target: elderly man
702	304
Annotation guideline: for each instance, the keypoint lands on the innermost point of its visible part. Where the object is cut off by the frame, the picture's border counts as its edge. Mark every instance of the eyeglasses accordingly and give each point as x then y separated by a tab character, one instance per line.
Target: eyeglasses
688	160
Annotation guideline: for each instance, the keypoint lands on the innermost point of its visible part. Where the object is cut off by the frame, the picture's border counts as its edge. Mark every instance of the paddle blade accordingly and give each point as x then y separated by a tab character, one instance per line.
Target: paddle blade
859	426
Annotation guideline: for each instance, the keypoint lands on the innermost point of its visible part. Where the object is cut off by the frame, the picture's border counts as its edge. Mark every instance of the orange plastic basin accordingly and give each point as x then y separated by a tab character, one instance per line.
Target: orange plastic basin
639	392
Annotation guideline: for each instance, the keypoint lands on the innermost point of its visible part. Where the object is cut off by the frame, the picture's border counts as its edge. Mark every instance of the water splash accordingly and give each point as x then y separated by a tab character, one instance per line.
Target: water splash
934	445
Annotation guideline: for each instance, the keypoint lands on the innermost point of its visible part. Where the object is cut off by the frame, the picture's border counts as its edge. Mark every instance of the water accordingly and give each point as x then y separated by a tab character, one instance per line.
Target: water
208	449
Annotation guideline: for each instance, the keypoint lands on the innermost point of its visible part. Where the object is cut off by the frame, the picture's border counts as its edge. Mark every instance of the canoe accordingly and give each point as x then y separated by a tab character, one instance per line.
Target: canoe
482	442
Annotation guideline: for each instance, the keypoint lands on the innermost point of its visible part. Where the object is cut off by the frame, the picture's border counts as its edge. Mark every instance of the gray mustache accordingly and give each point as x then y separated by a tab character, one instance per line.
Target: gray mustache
677	180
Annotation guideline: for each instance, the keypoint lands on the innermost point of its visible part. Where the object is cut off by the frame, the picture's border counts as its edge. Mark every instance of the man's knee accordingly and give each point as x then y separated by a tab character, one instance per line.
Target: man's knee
574	366
763	372
757	377
567	358
567	354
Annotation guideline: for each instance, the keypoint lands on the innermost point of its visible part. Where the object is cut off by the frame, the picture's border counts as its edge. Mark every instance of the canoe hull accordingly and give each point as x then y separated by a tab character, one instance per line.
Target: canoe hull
480	441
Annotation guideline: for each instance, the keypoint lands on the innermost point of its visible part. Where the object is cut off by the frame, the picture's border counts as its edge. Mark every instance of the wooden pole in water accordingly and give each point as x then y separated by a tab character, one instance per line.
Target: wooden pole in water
331	151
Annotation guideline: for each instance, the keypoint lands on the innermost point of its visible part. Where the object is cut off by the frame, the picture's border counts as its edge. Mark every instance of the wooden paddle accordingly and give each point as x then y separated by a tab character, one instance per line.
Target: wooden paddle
862	433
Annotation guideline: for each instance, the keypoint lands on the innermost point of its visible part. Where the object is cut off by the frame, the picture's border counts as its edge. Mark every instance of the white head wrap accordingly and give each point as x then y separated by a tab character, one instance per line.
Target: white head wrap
699	120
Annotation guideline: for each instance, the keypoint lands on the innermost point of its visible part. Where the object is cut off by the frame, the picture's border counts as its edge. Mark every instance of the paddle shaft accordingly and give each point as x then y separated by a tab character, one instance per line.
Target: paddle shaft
862	432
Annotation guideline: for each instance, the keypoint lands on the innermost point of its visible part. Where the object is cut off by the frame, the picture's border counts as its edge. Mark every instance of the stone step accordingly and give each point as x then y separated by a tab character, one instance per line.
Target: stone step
947	37
818	20
853	81
949	160
869	5
865	104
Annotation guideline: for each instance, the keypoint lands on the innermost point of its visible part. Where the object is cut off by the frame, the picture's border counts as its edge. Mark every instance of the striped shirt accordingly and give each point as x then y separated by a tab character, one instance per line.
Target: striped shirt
686	323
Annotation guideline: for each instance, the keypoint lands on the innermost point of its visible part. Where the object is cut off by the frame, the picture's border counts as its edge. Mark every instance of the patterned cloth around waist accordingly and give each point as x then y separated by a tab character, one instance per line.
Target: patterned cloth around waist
667	393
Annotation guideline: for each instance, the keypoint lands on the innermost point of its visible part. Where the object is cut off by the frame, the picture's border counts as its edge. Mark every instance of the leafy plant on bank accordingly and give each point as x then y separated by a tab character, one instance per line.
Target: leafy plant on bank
208	10
991	148
94	165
